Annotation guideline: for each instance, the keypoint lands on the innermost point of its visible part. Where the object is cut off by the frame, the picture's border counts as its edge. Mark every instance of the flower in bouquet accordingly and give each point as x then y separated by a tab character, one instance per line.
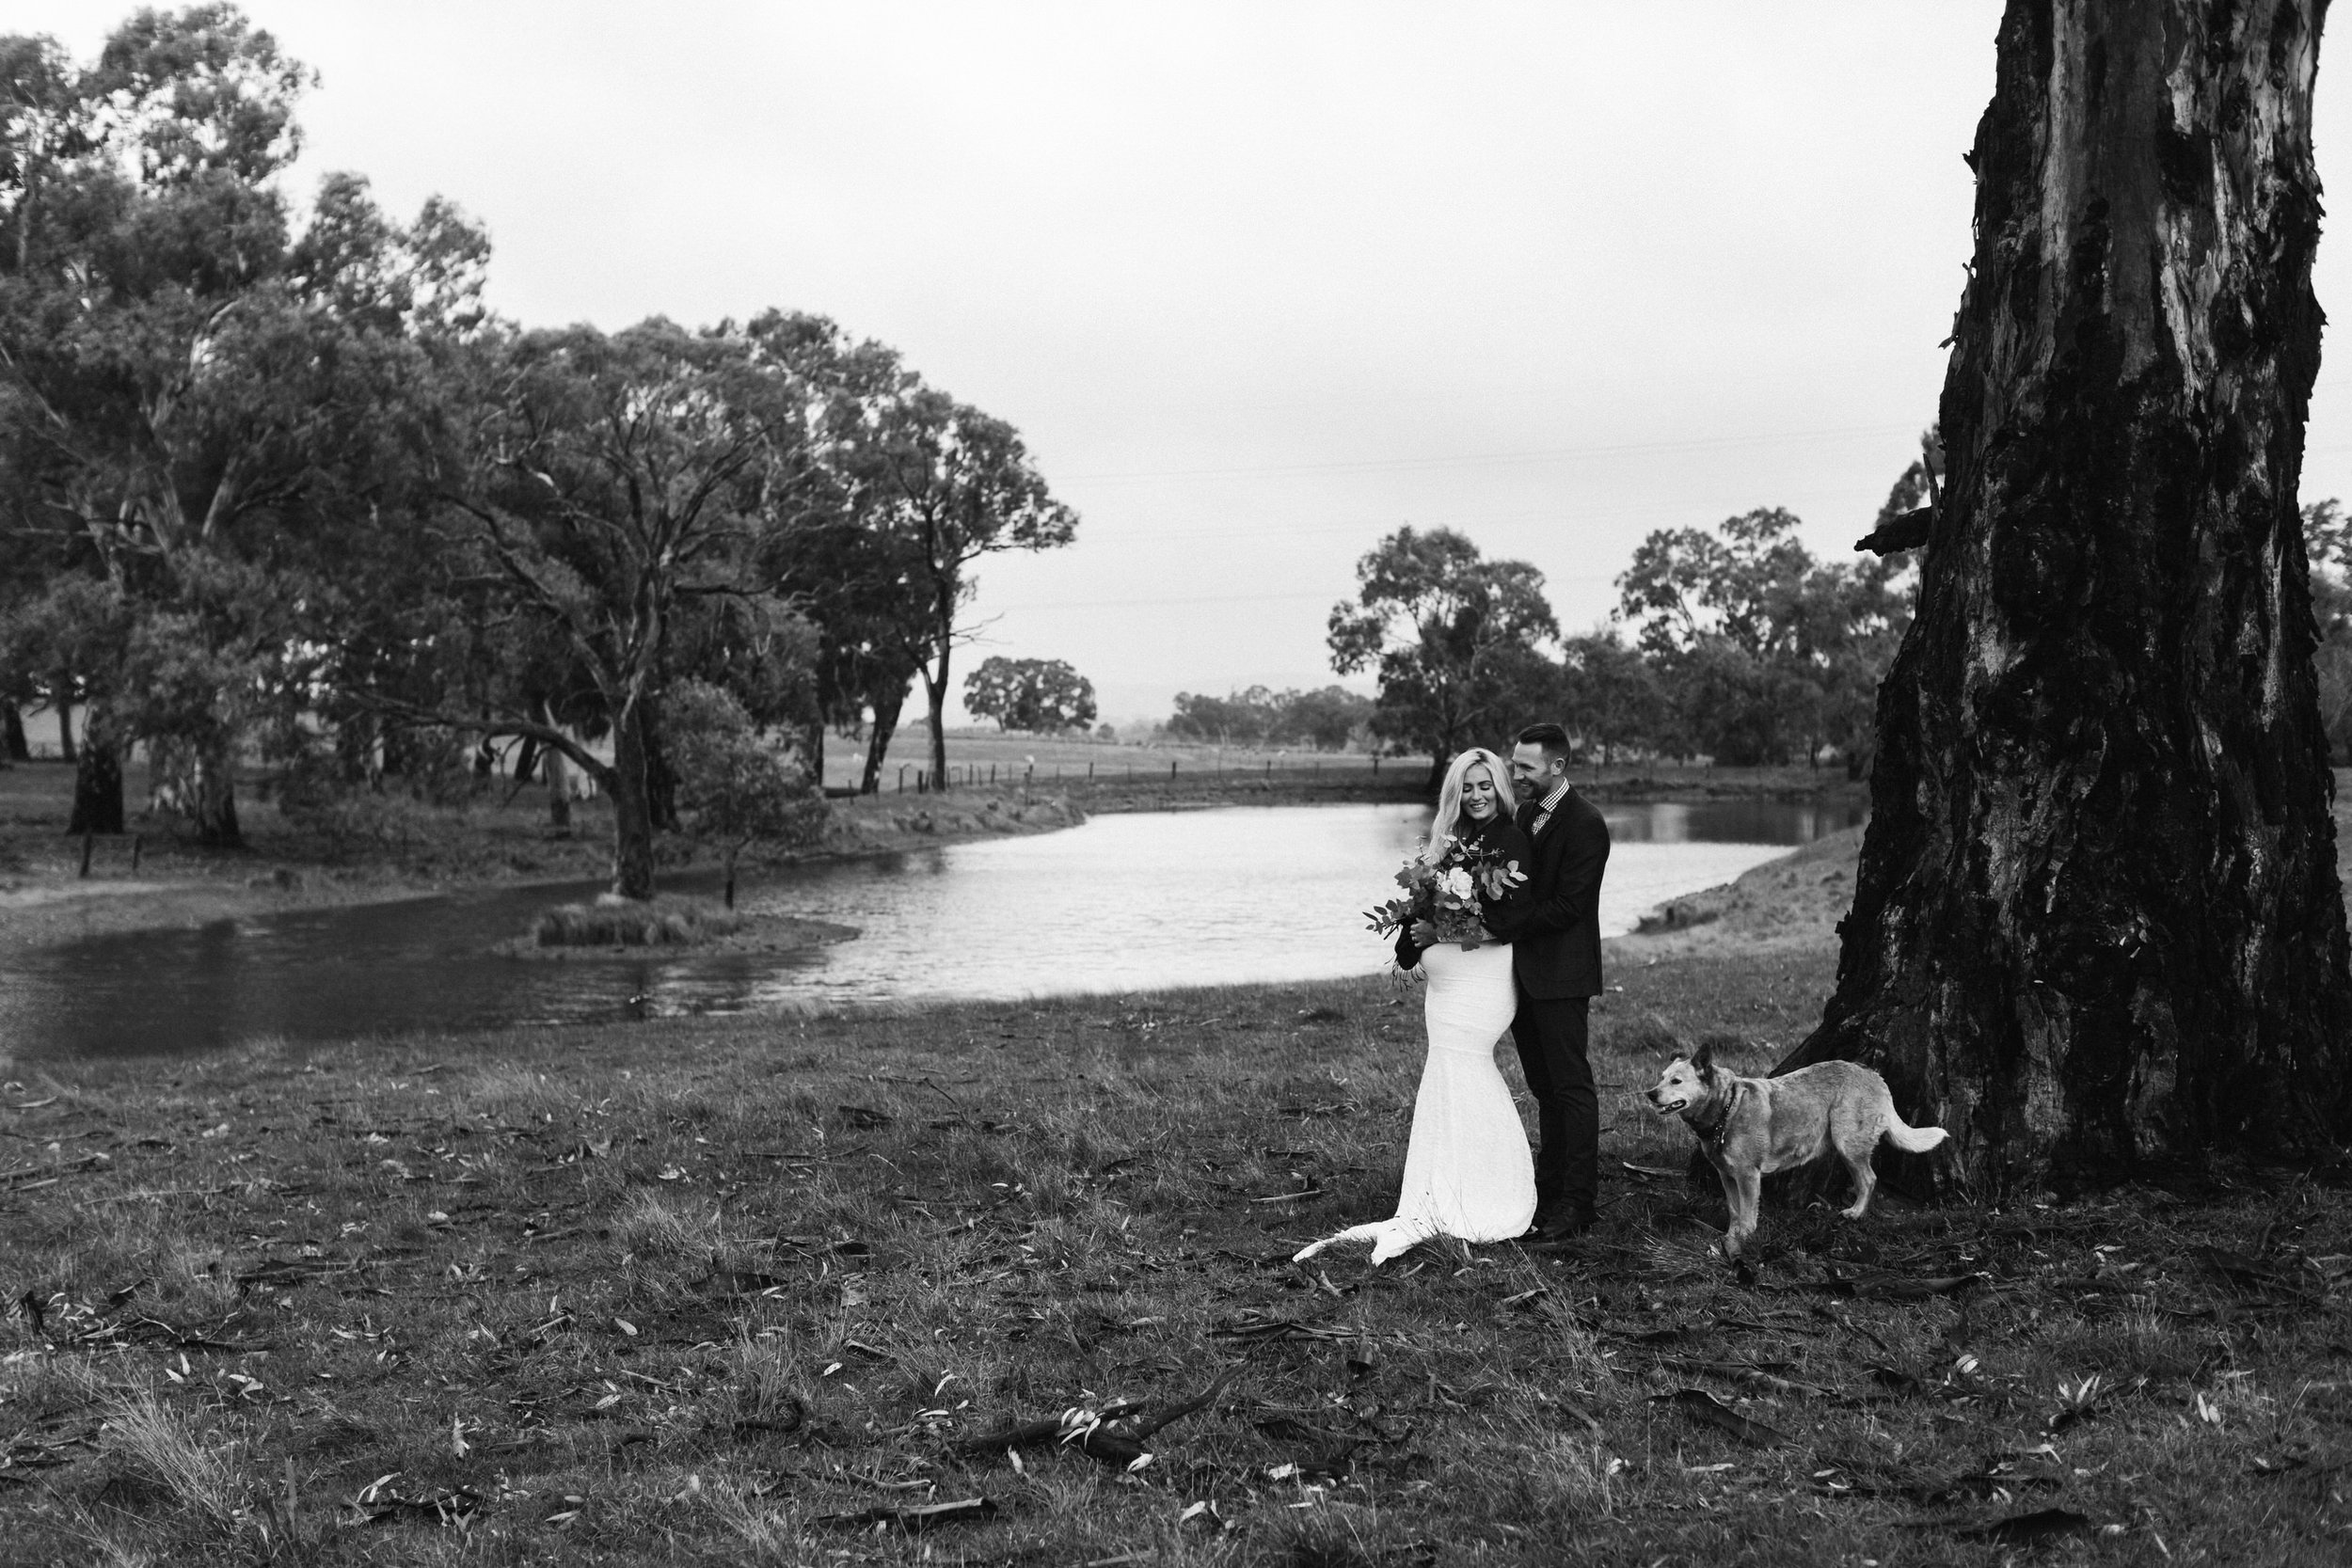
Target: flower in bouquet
1450	893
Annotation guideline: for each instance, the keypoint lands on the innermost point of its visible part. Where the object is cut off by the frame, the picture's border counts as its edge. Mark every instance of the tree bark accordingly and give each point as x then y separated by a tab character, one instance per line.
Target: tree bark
97	778
559	784
632	820
13	746
935	694
212	795
887	711
64	705
661	779
559	791
2097	922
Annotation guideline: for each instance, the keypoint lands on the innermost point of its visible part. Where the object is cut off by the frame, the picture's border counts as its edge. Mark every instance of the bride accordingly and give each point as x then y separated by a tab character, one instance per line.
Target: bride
1466	1169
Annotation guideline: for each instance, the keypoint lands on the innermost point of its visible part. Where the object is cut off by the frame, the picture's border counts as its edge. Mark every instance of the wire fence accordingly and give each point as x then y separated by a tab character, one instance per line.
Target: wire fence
1144	773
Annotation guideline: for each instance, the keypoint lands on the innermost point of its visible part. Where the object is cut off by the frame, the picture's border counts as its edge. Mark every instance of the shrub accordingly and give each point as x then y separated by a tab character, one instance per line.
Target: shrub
660	923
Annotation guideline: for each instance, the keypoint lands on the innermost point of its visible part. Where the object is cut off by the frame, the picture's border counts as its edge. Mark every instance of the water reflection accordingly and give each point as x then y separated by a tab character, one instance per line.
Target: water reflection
1124	902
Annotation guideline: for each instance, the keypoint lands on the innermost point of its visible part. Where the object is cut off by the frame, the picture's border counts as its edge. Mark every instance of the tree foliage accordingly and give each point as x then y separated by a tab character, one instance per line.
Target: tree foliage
1768	653
1043	695
1456	640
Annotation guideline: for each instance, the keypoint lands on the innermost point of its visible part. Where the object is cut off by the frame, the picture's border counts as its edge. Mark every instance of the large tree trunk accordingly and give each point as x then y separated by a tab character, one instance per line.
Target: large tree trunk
97	778
632	819
887	711
661	779
212	795
559	792
2097	922
13	746
559	786
64	705
935	694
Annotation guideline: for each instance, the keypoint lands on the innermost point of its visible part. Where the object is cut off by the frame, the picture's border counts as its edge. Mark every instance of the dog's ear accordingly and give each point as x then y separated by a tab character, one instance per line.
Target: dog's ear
1703	1060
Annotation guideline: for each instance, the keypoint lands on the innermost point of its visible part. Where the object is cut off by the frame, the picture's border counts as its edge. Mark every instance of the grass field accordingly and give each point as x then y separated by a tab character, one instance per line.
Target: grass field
766	1292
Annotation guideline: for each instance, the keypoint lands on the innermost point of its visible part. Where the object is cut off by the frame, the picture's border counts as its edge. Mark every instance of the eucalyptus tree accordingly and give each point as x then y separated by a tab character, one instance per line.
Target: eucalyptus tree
196	404
606	496
1456	640
1043	695
2097	922
918	489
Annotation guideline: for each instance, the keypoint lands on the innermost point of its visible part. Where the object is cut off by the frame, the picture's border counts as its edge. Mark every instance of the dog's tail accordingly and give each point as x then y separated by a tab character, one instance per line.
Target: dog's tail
1913	1140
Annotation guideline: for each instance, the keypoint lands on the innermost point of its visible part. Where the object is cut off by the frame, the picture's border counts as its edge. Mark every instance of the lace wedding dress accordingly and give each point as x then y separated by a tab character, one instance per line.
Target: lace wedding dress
1468	1172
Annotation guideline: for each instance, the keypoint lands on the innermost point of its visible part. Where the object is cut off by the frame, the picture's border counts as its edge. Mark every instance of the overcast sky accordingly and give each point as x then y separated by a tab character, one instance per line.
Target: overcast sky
1258	281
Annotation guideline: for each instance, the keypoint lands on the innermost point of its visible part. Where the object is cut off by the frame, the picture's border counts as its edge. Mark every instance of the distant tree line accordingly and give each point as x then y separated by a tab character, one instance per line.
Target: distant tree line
1745	648
286	486
1325	720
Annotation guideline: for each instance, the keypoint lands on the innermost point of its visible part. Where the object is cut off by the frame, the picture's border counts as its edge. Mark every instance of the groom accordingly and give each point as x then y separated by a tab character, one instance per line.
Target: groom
1555	961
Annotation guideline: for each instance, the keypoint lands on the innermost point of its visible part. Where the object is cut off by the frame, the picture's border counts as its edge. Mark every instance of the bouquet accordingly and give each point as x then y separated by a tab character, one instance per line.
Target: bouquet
1447	893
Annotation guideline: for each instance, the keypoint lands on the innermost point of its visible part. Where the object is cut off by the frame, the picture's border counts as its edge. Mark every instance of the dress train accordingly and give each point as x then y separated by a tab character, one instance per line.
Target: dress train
1468	1172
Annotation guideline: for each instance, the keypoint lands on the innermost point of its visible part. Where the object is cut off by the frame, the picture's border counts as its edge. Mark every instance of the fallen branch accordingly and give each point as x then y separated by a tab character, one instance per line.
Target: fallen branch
1092	1432
915	1519
1701	1405
42	1176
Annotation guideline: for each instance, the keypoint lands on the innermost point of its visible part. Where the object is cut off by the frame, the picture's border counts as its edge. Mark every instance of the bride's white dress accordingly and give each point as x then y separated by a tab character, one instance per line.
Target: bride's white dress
1468	1172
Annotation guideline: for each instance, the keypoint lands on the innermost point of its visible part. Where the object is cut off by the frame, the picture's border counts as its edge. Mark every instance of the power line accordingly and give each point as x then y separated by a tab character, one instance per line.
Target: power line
1544	454
1232	598
1646	509
1538	455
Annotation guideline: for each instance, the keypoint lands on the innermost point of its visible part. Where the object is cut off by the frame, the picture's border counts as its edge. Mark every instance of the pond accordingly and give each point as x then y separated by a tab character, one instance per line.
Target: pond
1128	902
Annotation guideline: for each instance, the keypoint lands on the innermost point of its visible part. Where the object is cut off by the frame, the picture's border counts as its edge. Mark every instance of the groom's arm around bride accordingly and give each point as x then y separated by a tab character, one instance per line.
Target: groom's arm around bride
1554	934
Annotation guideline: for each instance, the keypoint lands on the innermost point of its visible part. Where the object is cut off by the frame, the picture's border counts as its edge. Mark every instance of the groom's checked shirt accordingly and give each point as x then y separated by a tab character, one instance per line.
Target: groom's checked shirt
1549	804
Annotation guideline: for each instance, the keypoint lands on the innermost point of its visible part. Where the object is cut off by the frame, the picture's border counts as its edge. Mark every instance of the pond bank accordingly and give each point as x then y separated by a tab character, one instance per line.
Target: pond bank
389	848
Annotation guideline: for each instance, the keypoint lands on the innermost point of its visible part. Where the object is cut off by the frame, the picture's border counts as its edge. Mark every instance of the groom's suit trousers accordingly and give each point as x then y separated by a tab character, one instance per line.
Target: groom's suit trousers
1550	1035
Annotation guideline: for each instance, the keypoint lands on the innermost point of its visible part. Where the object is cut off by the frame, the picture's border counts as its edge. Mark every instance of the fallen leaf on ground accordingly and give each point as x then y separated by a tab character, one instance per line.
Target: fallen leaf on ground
964	1510
1701	1405
2030	1529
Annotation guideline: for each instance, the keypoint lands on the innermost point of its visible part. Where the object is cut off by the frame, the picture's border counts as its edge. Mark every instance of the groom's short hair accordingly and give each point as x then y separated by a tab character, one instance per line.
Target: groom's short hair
1552	737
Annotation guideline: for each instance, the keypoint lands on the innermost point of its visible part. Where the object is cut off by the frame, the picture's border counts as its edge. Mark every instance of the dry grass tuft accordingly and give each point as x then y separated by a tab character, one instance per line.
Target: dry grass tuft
654	1225
198	1470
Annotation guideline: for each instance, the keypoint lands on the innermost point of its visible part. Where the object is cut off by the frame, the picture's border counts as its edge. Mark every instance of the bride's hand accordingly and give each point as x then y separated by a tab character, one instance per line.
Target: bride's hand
1423	934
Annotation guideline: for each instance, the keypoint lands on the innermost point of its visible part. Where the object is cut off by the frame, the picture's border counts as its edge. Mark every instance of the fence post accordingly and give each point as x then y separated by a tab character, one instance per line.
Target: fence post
991	772
1090	769
89	841
1375	764
1269	768
1171	768
903	778
139	847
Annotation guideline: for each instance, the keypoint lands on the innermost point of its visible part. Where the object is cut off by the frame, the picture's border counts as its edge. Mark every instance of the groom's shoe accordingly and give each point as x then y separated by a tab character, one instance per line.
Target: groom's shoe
1564	1225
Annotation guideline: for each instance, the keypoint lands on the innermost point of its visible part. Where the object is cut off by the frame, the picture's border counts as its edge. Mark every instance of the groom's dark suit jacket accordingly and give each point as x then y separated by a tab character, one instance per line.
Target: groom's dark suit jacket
1554	931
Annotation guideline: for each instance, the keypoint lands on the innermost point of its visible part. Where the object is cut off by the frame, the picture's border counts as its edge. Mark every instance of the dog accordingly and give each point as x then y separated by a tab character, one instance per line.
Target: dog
1749	1128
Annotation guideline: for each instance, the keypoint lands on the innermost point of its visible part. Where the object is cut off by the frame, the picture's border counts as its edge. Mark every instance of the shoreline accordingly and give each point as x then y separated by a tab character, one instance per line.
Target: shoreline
44	902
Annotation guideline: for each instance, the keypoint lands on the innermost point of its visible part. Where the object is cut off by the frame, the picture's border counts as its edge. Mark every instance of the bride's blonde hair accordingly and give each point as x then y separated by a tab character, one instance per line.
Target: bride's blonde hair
1449	821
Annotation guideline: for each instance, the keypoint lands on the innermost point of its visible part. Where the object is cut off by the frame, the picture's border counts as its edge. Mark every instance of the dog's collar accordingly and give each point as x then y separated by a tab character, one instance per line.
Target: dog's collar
1711	1134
